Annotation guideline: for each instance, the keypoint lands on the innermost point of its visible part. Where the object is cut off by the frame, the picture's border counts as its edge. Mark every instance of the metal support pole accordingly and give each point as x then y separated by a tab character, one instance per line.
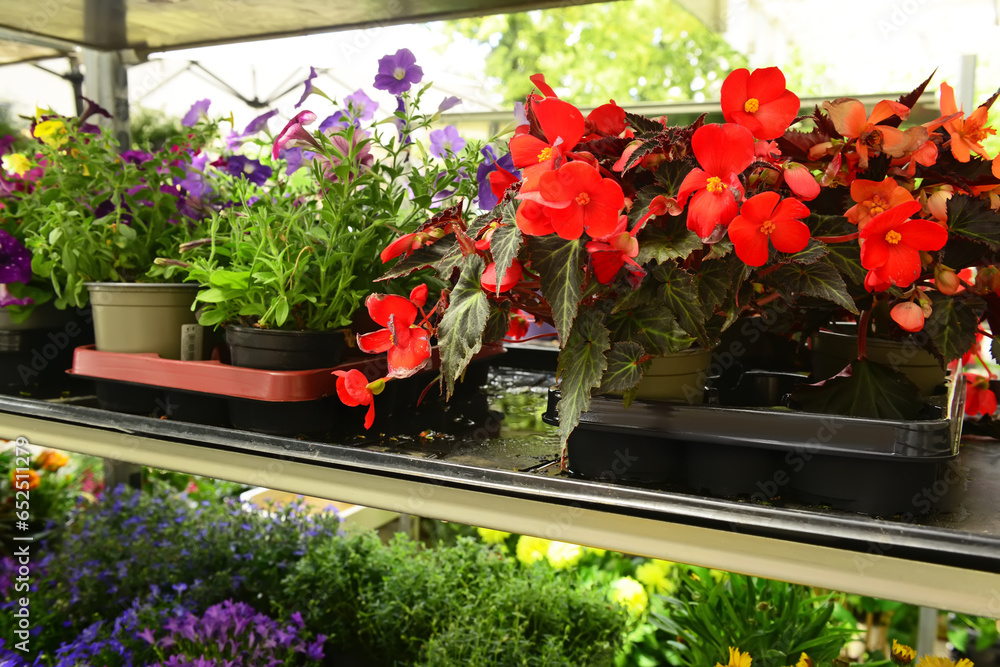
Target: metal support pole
967	84
927	631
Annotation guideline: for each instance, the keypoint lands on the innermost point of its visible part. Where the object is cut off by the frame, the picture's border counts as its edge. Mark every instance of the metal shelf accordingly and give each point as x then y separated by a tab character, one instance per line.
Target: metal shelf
488	475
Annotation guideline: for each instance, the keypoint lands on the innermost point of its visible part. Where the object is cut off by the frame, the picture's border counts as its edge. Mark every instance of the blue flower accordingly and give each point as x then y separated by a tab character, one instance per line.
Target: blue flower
252	170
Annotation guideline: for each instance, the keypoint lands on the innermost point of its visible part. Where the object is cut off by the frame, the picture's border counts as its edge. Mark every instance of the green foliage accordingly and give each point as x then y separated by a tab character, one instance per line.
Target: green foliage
581	367
153	129
771	620
462	326
871	390
594	53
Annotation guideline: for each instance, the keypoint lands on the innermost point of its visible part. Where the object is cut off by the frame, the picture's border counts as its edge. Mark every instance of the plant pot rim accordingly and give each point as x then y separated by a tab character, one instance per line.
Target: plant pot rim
113	285
243	329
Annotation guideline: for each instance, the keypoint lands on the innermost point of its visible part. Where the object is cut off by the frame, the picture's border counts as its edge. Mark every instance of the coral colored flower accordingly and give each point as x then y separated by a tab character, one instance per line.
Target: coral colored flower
610	253
510	278
354	389
891	241
18	479
723	151
407	243
979	398
908	315
295	135
397	72
407	345
562	124
759	101
800	180
873	198
51	460
581	201
737	659
519	323
850	120
767	217
533	219
967	135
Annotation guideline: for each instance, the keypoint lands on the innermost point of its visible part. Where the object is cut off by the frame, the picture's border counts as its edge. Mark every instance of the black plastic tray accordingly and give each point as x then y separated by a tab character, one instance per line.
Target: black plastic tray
32	361
743	446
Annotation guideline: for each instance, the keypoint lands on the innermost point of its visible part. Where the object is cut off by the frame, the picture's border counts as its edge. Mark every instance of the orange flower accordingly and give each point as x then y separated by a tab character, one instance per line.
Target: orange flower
51	460
18	479
874	197
965	135
848	116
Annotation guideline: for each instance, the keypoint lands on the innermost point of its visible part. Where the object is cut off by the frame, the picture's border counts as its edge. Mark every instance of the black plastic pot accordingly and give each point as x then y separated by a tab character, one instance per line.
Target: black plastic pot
34	359
278	350
147	400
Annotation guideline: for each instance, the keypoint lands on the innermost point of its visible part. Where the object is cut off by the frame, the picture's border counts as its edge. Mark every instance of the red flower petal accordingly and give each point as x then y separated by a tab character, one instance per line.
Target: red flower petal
709	210
789	235
760	207
608	119
874	253
748	241
418	296
370	415
790	209
405	361
734	94
694	181
902	266
375	342
561	122
525	150
352	388
606	265
403	244
533	219
381	306
801	181
511	277
878	226
722	150
908	315
923	234
539	81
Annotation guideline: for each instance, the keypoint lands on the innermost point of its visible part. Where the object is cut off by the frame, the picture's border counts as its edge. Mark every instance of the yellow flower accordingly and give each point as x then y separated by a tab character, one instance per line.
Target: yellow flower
51	460
902	654
18	479
655	575
16	163
931	661
805	661
562	555
492	536
51	132
531	549
630	594
737	659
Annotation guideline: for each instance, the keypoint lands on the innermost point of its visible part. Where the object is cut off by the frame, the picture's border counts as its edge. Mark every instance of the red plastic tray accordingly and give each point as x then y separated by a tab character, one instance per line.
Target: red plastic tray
215	377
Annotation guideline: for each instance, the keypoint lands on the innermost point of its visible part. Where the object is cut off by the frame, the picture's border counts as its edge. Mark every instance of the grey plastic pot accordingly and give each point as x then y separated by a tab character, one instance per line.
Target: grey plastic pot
676	378
144	317
832	351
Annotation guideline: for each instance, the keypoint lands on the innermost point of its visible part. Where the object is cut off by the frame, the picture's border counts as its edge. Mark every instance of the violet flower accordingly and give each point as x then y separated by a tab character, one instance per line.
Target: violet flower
15	260
446	141
449	103
487	200
396	73
335	121
253	170
135	157
520	116
93	108
197	111
295	135
360	106
254	127
309	87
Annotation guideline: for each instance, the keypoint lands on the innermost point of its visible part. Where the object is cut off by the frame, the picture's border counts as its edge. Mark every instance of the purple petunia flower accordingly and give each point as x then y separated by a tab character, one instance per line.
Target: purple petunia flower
520	117
6	143
135	157
235	140
295	157
449	103
15	260
360	106
396	73
400	121
315	650
197	111
446	141
93	108
148	635
487	200
194	182
334	121
309	87
253	170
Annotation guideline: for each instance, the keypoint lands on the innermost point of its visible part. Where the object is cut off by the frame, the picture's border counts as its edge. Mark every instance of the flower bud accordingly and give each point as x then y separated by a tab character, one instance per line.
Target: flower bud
946	280
908	315
988	280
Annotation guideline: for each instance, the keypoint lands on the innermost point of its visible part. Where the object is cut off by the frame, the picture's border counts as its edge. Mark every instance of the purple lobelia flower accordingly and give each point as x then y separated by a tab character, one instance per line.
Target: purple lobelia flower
15	260
197	111
252	170
446	141
487	200
309	87
360	106
295	135
448	103
396	73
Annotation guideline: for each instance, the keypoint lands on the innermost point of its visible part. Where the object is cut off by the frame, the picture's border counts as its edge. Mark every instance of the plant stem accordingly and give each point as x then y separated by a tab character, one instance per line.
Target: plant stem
837	239
863	332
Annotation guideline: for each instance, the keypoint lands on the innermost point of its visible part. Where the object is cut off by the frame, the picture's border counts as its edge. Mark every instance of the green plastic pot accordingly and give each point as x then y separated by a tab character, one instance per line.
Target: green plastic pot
832	351
676	378
143	317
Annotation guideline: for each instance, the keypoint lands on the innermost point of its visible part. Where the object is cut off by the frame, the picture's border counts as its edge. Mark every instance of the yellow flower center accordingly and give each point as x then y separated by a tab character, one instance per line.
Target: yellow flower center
583	199
714	184
877	204
751	105
767	227
893	237
547	154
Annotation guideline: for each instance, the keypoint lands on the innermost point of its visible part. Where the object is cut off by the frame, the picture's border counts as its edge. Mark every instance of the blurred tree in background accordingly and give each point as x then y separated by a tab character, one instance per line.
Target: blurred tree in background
152	127
630	51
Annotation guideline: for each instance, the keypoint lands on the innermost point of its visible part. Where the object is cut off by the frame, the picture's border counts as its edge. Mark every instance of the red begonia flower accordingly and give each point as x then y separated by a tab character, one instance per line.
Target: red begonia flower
533	219
418	295
580	200
873	198
759	101
562	124
519	323
979	398
354	389
407	243
408	346
908	315
852	122
767	217
801	181
545	88
510	278
891	243
966	135
607	119
723	151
